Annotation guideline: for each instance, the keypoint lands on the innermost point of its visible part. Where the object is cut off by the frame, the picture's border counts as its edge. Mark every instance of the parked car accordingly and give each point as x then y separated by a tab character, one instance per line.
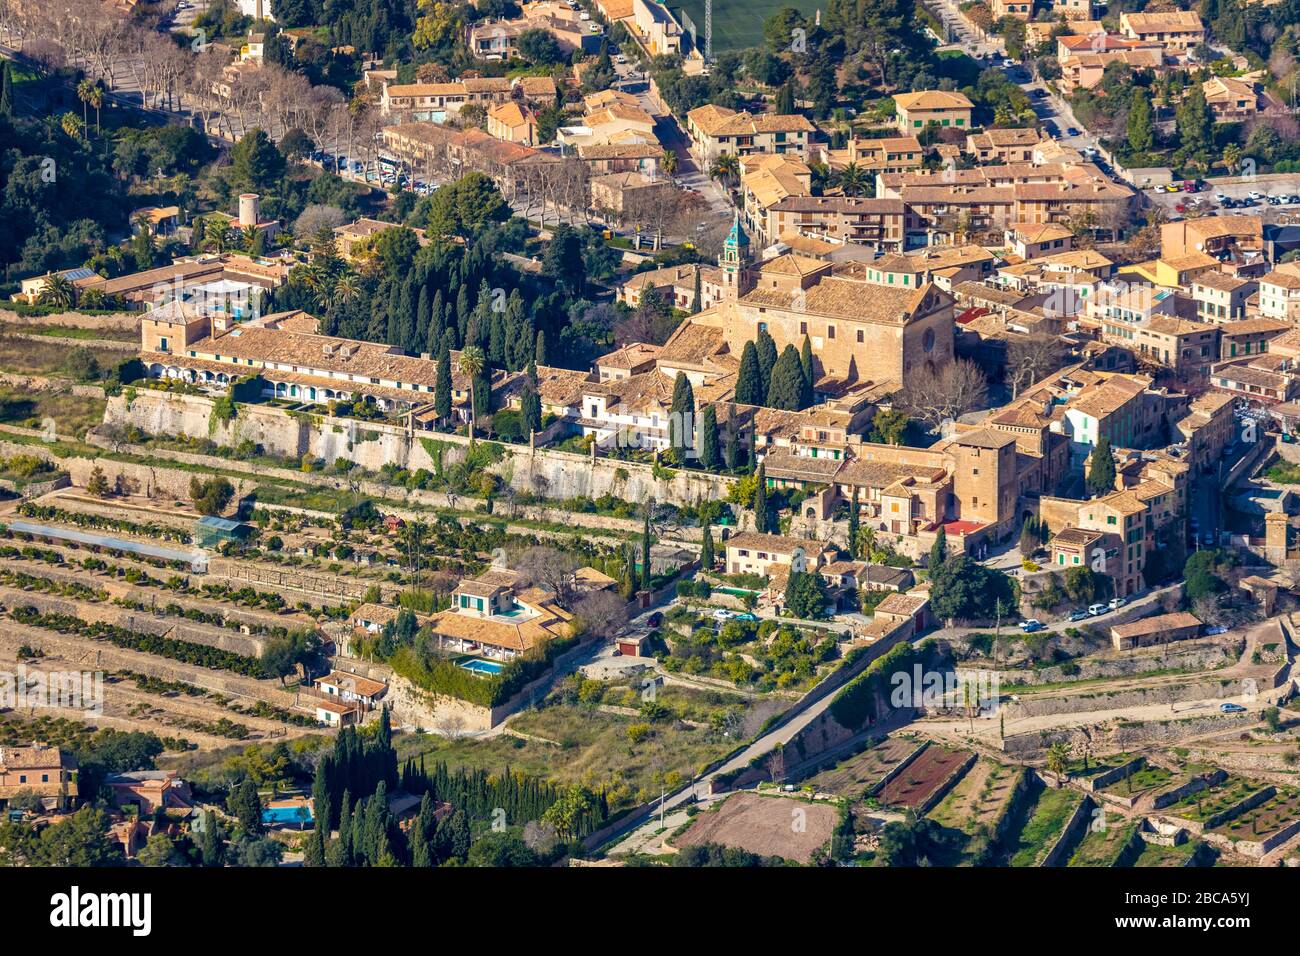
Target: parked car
1071	132
722	614
1220	197
746	616
656	619
1231	708
1255	194
1097	609
1117	602
1031	625
1080	615
1217	629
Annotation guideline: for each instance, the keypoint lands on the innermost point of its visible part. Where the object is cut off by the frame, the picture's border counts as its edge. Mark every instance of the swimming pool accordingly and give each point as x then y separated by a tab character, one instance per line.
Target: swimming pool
480	666
273	816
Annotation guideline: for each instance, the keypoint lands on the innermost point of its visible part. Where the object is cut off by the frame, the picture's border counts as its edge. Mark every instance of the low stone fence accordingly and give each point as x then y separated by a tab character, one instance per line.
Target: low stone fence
115	321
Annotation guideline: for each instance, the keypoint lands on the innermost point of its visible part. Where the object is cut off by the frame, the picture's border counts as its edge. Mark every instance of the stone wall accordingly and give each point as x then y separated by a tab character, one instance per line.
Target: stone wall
102	656
316	587
543	472
116	321
1201	654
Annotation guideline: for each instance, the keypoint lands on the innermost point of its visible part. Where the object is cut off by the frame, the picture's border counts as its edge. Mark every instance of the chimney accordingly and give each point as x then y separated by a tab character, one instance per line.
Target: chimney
249	211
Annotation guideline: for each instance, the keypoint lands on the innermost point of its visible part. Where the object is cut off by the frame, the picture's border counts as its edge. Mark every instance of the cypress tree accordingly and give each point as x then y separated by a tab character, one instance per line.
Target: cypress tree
730	451
539	353
939	550
788	386
706	549
7	89
345	854
760	502
806	363
532	402
710	456
211	847
749	380
1101	469
681	418
766	346
442	384
645	549
853	524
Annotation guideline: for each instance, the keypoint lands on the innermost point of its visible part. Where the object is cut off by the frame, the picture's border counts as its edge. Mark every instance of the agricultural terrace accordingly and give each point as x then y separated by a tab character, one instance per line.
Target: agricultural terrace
920	780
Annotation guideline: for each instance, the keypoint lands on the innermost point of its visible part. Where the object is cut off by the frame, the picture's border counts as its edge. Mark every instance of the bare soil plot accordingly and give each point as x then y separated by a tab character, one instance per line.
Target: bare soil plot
980	798
922	777
766	825
853	777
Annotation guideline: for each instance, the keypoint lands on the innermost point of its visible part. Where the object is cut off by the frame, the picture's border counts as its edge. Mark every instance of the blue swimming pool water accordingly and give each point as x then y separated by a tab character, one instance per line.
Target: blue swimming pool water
274	815
480	666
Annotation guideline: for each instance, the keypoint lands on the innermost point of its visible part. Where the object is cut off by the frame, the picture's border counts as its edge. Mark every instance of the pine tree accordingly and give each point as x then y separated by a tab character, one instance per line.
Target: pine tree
749	380
1101	469
760	502
710	455
706	549
939	550
788	385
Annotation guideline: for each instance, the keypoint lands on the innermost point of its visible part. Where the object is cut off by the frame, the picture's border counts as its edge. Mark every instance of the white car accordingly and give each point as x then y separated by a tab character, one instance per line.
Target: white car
722	614
1255	195
1219	197
584	15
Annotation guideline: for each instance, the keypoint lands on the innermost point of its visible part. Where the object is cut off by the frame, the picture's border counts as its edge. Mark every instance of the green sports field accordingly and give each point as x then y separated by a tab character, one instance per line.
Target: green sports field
737	24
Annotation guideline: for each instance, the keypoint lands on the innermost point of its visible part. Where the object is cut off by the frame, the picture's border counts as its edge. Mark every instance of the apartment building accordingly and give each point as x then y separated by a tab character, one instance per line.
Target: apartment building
1267	378
436	102
882	224
1030	240
1179	30
886	154
1220	297
1249	336
1279	293
1003	145
1232	100
715	130
767	179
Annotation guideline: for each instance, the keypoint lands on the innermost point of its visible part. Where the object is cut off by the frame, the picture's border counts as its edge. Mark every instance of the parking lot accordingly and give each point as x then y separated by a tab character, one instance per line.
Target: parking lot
1275	198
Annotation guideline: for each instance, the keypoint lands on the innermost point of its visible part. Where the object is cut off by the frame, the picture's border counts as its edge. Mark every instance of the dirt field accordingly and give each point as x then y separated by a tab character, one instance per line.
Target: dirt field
855	776
922	777
769	826
979	798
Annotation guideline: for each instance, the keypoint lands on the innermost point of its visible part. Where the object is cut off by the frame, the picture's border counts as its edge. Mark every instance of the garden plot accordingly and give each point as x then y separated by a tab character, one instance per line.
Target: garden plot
918	783
1138	783
980	799
861	773
1155	855
1045	820
765	825
1260	827
1215	805
1103	847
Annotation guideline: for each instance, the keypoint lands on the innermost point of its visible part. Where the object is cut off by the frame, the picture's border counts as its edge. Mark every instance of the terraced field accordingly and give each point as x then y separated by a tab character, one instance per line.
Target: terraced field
1200	807
980	798
852	778
1045	820
1147	780
1166	856
922	778
1103	847
1261	822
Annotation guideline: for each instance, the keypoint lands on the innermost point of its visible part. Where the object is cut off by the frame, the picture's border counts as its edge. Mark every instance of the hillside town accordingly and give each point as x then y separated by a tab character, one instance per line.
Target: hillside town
588	433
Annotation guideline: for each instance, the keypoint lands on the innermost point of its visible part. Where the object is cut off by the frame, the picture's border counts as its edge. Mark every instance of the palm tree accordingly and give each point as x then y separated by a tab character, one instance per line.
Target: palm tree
97	100
71	125
59	291
669	161
346	287
215	234
1058	759
725	168
853	180
470	364
84	89
248	237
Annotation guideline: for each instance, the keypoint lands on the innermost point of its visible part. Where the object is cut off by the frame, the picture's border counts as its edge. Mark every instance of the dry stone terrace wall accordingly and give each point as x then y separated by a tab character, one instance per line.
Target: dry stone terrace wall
115	322
546	473
102	656
138	621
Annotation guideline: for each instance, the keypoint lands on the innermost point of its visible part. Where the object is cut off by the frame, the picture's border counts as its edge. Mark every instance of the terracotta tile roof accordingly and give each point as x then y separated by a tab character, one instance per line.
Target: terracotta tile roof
361	686
1155	625
1075	538
775	543
932	100
848	299
33	758
904	605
